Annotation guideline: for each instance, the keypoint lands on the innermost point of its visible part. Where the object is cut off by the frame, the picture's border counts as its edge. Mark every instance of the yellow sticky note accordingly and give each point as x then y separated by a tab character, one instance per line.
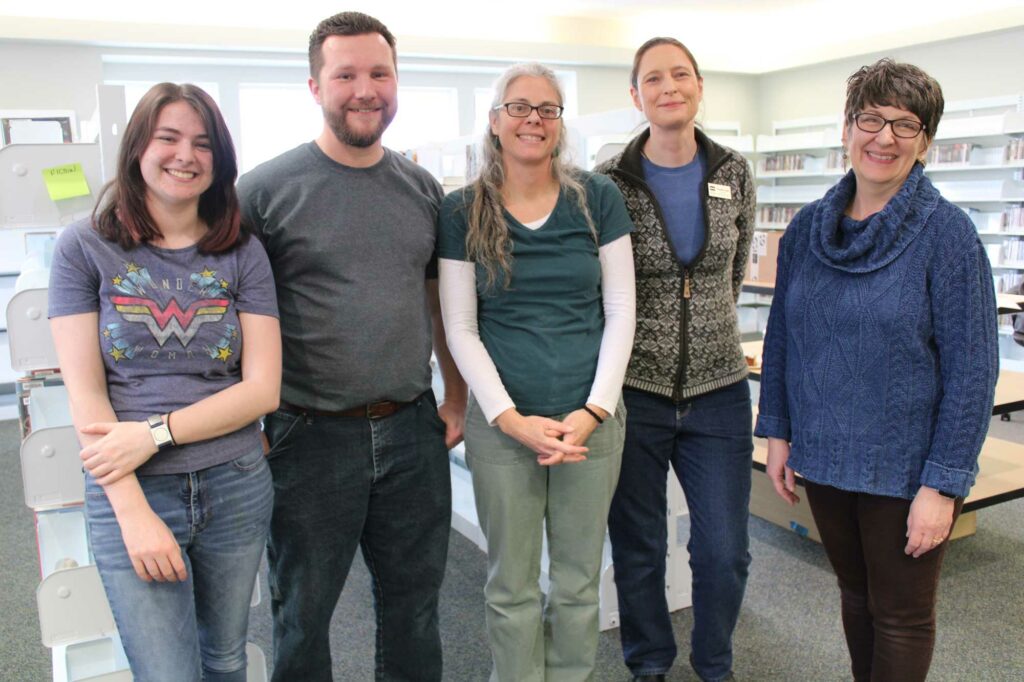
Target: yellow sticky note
66	182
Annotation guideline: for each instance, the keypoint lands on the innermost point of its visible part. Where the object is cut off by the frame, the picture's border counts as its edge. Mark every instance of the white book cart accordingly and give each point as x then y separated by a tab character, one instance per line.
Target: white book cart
75	619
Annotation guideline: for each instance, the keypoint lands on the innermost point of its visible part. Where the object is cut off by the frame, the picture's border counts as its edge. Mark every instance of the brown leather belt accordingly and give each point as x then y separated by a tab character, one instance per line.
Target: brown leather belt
379	410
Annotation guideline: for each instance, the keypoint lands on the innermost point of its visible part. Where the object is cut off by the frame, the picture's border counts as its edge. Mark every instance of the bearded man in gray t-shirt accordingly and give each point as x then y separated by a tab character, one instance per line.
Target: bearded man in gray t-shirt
359	448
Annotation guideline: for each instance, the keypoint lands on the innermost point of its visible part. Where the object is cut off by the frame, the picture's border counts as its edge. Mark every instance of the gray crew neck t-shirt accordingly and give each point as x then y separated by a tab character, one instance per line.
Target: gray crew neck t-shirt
168	328
351	249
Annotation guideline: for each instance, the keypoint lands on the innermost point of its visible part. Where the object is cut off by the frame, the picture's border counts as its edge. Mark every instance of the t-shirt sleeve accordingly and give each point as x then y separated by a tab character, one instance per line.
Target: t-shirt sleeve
611	217
74	282
452	227
436	194
252	219
256	291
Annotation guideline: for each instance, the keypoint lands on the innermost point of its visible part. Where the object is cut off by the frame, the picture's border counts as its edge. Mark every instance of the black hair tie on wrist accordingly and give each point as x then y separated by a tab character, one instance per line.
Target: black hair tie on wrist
168	424
593	414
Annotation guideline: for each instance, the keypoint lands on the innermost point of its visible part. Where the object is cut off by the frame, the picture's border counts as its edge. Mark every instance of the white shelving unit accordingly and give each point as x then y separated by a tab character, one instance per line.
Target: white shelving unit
797	163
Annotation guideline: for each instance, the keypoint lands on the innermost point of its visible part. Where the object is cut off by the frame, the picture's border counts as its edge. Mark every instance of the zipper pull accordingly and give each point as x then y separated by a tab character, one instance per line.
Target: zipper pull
686	285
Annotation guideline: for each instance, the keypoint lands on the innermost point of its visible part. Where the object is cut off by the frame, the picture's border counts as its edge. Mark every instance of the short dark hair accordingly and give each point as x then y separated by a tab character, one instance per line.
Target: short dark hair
121	214
345	24
655	42
892	84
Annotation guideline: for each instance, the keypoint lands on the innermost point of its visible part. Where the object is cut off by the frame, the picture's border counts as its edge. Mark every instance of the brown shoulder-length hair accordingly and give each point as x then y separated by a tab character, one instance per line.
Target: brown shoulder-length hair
121	214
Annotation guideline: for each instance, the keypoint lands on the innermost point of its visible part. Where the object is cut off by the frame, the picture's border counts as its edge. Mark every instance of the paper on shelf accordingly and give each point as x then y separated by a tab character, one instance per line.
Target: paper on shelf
66	182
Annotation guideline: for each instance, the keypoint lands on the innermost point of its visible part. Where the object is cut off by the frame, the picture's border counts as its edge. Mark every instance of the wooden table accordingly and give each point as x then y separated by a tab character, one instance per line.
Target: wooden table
1007	304
1000	479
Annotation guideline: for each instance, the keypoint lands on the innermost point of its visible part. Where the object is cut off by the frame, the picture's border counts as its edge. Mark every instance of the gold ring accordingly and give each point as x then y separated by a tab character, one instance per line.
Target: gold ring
936	541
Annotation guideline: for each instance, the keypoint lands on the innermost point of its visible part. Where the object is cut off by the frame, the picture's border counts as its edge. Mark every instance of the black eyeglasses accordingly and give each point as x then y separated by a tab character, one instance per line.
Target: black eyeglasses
907	128
522	110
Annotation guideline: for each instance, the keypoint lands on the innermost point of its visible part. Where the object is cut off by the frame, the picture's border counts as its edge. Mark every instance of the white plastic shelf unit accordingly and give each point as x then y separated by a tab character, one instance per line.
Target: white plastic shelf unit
976	161
74	616
796	164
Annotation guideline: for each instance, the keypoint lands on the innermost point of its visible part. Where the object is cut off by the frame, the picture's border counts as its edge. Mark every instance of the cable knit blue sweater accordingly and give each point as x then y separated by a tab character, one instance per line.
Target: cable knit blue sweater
881	358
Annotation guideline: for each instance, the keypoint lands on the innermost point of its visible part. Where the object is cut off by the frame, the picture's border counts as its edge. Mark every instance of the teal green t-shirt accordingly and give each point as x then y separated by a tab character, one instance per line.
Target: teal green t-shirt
543	331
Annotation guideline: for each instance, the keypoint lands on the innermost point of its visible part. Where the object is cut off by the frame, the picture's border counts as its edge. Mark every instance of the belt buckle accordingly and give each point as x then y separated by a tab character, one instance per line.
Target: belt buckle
384	408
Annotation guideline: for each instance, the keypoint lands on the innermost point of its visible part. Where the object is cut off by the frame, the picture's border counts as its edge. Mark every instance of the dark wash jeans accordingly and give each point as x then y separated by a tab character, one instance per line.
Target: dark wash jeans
708	442
887	597
342	482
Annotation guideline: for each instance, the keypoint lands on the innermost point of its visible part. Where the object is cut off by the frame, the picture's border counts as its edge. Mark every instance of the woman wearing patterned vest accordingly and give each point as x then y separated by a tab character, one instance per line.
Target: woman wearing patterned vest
686	396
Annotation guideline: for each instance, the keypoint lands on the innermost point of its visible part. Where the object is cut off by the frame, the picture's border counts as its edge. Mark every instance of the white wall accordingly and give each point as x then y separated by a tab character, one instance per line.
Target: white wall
727	96
37	76
55	76
967	68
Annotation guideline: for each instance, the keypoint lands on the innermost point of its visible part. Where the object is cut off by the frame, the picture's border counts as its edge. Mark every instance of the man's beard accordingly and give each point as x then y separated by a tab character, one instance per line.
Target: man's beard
352	138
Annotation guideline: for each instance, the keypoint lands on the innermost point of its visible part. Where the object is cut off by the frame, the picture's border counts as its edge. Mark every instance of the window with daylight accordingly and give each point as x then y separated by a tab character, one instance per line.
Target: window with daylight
274	118
134	90
425	114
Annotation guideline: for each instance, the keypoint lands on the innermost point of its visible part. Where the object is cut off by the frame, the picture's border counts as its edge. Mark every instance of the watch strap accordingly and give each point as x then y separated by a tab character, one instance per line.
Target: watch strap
160	432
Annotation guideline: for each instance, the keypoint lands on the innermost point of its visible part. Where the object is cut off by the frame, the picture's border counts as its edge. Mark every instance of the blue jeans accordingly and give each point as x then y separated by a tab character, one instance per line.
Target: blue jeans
196	629
346	482
708	441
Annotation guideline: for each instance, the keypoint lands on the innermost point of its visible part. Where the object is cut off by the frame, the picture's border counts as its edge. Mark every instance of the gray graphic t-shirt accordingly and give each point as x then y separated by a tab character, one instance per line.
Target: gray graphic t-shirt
168	328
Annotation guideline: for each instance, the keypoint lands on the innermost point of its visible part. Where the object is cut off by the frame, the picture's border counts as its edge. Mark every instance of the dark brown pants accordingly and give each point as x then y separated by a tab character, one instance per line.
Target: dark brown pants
888	598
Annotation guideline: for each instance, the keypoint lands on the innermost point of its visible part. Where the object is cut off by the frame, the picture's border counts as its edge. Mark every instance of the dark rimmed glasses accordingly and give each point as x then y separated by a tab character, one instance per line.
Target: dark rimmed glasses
522	110
907	128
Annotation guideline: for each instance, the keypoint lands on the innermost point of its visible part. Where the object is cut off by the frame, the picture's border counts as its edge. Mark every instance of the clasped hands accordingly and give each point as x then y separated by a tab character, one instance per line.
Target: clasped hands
555	442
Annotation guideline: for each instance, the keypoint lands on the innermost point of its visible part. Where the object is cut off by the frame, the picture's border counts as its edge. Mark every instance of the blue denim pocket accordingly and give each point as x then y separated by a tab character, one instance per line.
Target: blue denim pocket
250	461
431	408
281	427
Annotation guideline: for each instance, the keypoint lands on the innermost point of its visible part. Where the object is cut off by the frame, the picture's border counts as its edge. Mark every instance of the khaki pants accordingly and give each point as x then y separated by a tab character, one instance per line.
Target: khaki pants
516	498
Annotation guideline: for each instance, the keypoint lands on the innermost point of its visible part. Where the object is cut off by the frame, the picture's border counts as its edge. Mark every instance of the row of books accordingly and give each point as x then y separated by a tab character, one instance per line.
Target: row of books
1008	282
959	152
775	214
783	162
1009	251
1014	150
772	163
1013	216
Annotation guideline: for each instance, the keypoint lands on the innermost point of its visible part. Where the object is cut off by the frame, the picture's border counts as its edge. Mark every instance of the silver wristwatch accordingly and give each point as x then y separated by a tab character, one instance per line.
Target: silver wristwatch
161	434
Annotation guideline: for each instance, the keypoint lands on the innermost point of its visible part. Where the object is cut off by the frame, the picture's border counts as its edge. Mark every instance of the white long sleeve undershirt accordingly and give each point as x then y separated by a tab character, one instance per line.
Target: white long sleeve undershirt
457	281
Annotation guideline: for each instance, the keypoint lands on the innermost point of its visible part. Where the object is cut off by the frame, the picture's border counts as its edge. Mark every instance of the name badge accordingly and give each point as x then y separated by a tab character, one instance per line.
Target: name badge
719	191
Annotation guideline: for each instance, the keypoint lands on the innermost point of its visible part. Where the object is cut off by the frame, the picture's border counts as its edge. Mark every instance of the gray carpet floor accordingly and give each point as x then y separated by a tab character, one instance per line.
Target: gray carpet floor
789	628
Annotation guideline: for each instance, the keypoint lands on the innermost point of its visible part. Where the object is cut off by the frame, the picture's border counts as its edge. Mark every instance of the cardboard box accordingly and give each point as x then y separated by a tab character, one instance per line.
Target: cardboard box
764	252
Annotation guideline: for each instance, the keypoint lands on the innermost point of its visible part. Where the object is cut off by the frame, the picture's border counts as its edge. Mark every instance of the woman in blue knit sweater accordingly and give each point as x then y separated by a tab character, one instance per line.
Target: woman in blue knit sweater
880	362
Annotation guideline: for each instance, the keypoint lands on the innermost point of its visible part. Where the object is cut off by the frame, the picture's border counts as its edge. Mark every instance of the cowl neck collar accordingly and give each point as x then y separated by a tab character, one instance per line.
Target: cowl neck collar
887	234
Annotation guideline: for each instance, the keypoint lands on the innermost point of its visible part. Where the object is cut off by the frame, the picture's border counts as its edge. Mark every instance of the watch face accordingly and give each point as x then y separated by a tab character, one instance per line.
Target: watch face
162	435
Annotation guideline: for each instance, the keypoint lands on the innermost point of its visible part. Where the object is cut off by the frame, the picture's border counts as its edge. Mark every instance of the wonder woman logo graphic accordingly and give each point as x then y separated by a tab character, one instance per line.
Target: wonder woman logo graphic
172	320
135	303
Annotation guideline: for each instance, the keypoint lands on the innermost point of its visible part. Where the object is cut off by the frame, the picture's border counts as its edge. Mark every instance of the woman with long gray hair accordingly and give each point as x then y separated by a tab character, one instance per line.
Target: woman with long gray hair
537	292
